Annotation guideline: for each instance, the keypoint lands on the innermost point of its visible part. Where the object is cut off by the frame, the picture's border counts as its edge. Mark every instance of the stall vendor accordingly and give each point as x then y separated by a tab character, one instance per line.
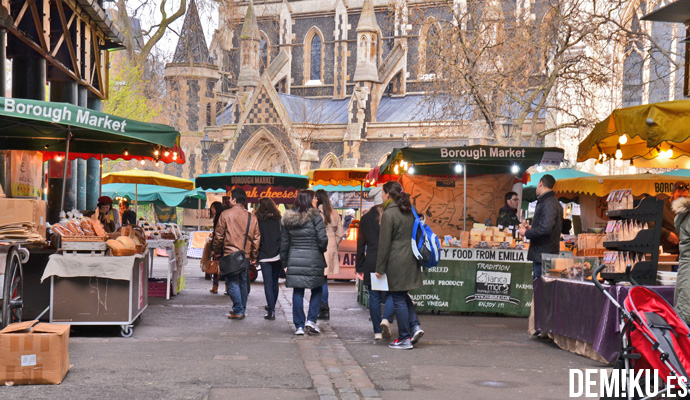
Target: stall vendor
669	236
129	217
109	219
507	215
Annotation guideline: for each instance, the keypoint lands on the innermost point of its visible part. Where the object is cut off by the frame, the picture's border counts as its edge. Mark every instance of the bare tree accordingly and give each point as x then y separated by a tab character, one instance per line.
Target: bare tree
545	66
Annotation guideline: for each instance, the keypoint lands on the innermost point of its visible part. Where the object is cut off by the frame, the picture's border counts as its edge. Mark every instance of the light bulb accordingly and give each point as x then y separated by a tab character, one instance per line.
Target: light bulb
157	163
457	168
143	162
58	158
619	154
410	170
396	170
174	156
669	153
619	163
156	153
126	152
623	139
515	169
167	153
632	169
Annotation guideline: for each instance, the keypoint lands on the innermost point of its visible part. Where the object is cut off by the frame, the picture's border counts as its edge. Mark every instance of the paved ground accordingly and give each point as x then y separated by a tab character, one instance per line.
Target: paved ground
186	348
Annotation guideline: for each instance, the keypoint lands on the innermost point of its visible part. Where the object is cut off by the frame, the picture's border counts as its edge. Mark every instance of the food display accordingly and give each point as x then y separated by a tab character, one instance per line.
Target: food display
620	200
577	268
74	227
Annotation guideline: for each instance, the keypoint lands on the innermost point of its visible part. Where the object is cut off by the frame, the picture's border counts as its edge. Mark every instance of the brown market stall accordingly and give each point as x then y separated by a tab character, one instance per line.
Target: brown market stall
60	131
481	270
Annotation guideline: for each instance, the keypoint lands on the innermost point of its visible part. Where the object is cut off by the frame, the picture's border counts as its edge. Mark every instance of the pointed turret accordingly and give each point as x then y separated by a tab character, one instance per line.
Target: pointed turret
191	47
367	45
249	50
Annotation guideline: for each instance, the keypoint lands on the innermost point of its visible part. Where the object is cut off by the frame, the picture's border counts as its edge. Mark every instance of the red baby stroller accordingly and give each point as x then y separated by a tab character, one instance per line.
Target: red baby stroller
653	339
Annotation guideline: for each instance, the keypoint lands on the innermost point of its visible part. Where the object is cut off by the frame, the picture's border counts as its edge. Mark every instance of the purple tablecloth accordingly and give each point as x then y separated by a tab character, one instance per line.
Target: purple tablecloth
580	311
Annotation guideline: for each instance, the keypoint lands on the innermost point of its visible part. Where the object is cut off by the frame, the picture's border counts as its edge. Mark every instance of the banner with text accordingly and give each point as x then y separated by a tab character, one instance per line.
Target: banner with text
26	167
279	194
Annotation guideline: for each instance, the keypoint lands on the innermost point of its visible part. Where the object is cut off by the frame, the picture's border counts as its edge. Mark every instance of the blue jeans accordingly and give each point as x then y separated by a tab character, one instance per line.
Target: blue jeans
237	288
324	293
536	270
298	306
271	272
402	312
375	300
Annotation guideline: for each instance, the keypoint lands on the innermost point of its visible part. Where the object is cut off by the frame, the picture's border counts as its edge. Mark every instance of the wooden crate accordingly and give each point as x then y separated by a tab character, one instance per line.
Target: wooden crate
84	248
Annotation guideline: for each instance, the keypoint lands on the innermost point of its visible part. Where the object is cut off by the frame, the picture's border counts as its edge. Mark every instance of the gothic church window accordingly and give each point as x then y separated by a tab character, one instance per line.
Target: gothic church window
264	53
313	57
432	43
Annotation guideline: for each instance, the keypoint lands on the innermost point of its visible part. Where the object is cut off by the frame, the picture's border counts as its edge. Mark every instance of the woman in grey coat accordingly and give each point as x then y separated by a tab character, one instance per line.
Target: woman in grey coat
302	244
681	296
395	258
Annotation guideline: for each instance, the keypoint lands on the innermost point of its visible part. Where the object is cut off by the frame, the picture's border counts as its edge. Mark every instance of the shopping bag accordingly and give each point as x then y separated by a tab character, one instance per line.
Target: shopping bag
206	256
212	267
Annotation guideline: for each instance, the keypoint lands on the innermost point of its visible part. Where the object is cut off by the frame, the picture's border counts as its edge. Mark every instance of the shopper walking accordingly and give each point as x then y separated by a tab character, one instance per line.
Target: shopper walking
302	244
367	251
232	235
215	210
269	252
395	259
334	230
681	296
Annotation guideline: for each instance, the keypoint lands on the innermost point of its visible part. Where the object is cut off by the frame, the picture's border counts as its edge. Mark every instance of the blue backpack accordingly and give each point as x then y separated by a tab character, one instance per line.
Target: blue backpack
425	243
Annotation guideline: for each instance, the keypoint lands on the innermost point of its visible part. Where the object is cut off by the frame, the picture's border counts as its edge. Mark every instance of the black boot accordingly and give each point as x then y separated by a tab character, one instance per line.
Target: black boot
324	313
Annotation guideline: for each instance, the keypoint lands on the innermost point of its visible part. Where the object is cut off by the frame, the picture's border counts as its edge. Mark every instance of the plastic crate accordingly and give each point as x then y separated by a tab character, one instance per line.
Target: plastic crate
157	287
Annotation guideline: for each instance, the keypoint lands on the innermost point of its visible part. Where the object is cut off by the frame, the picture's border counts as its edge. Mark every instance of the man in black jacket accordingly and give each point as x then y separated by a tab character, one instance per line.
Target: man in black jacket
507	215
545	235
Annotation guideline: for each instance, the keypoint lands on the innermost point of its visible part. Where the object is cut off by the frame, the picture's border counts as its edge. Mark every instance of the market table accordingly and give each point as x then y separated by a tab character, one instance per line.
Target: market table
97	290
578	310
177	259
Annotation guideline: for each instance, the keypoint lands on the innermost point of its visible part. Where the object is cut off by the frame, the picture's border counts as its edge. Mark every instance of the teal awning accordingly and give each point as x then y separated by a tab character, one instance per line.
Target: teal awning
153	194
529	191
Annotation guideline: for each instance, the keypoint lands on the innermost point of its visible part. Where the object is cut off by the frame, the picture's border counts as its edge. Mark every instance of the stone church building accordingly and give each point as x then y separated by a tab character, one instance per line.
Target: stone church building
294	85
287	86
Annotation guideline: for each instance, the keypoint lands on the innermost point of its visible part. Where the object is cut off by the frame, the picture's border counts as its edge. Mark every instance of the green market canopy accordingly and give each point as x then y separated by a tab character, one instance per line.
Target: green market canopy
154	194
282	188
475	160
59	128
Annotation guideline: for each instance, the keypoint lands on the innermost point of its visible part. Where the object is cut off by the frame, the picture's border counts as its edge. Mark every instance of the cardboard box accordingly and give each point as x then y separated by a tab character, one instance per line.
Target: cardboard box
24	210
34	353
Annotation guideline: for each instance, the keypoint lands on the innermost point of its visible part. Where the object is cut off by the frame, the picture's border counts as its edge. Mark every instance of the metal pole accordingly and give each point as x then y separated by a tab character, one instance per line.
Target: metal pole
136	198
100	168
198	215
464	195
361	194
64	170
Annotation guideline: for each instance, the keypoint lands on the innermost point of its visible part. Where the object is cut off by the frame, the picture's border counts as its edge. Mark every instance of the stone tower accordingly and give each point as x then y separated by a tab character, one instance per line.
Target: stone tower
249	52
190	81
367	45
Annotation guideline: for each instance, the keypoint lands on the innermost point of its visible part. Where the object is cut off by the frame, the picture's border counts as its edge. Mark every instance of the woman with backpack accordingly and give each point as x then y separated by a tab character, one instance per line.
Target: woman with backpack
269	252
395	259
334	230
303	241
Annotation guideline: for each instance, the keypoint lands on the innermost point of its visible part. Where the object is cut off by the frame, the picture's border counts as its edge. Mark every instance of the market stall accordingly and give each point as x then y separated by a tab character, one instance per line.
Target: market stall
339	182
282	188
59	132
168	190
482	267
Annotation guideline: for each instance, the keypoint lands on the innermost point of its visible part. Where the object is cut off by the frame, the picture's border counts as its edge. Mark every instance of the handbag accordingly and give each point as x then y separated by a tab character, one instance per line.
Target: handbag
212	267
206	256
236	263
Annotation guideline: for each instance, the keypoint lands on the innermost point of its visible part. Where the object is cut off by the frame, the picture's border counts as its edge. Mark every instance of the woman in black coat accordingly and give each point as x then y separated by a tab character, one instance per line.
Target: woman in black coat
302	244
367	249
268	216
215	210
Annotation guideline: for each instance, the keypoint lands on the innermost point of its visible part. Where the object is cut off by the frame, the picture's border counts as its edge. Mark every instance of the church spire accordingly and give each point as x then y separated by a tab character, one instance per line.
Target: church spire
249	50
191	46
367	45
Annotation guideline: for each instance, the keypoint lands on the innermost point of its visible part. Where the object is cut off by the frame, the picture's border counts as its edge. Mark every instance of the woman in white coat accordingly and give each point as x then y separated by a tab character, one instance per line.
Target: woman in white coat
334	229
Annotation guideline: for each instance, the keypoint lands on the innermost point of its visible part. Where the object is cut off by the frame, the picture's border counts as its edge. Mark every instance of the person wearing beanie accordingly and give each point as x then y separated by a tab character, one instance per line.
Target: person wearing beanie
109	219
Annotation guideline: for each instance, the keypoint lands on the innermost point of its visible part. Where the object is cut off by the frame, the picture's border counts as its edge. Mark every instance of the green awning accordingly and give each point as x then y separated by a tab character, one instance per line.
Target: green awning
154	194
43	126
479	160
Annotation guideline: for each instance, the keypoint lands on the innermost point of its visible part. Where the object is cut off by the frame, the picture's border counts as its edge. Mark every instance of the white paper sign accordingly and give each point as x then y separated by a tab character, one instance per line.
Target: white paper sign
380	284
29	360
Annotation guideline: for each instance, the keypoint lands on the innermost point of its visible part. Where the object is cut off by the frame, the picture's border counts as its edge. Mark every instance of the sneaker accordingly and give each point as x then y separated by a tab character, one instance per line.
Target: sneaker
378	336
299	331
386	328
401	344
417	334
311	328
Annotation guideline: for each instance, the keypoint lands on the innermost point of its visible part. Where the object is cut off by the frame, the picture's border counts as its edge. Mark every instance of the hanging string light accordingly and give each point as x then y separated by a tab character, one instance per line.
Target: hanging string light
619	153
623	139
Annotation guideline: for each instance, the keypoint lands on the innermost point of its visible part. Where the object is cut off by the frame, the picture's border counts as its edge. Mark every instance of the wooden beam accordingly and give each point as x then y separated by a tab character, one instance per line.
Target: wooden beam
66	33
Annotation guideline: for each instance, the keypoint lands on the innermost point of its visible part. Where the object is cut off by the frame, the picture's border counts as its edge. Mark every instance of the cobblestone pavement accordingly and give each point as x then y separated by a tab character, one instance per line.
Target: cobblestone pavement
186	348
